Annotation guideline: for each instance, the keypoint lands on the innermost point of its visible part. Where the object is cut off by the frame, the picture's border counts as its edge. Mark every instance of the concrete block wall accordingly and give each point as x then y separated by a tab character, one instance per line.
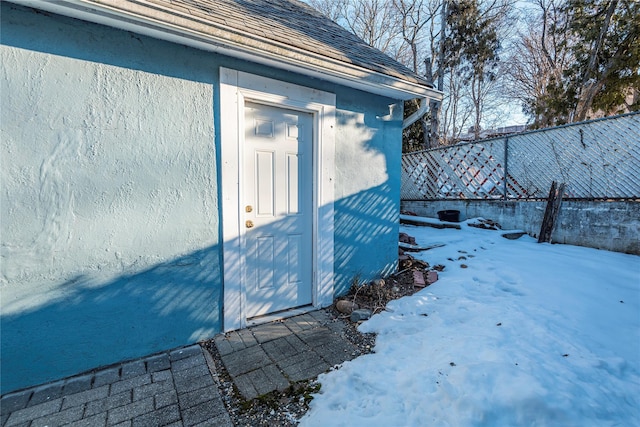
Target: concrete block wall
609	225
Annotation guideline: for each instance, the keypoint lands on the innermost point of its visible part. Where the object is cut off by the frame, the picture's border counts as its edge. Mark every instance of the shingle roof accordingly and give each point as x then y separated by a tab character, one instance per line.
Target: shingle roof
286	34
295	24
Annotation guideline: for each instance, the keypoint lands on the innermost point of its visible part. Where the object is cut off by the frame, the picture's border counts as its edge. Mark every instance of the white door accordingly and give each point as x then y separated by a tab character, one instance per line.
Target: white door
277	209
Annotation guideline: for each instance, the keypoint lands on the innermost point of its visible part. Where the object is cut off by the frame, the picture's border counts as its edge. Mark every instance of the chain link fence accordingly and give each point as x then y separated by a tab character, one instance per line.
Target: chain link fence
599	159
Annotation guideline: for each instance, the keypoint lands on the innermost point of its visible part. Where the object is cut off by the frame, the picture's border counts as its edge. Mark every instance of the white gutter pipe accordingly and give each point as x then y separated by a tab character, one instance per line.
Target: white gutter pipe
424	103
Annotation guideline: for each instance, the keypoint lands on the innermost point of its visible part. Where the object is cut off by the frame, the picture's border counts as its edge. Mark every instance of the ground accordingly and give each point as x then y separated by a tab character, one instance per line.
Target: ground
286	408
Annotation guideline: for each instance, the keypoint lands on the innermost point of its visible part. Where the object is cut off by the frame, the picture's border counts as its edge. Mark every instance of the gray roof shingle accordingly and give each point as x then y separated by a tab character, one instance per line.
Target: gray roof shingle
292	23
288	34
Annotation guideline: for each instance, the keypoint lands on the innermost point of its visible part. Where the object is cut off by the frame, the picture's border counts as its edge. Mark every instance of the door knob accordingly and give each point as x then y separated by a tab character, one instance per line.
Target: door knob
249	223
248	208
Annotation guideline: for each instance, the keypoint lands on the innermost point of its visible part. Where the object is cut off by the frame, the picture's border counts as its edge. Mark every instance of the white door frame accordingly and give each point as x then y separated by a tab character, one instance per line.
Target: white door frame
236	87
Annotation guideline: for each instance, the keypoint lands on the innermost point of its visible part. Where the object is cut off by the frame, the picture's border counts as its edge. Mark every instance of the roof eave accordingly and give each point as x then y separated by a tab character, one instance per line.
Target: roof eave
290	59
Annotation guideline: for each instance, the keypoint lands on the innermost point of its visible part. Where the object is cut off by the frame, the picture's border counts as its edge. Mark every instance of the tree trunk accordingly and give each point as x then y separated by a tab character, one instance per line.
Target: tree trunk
426	140
434	117
586	100
434	106
476	96
588	90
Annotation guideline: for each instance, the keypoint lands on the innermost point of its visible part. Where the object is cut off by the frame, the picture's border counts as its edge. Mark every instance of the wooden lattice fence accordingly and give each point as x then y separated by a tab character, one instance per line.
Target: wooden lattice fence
599	159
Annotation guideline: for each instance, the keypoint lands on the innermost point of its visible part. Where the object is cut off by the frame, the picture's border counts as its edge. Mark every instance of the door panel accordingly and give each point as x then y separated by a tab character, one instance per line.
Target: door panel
265	181
264	262
277	188
293	187
294	266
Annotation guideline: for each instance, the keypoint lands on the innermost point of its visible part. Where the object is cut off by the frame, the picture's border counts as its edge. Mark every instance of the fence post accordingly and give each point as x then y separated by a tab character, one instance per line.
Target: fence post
506	166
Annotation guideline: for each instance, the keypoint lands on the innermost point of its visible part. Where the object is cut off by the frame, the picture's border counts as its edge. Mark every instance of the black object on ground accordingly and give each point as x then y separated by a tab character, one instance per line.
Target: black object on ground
449	215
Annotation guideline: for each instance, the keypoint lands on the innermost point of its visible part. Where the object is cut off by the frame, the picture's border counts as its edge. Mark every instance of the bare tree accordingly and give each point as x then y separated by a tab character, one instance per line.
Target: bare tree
421	32
539	57
472	47
456	110
414	18
375	22
435	106
332	9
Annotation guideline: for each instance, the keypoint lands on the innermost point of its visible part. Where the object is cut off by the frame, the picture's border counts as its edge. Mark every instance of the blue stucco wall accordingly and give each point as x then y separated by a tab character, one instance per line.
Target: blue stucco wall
111	245
110	219
368	156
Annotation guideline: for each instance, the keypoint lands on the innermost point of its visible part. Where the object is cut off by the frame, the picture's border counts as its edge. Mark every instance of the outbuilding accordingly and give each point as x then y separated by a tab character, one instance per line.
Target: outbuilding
174	169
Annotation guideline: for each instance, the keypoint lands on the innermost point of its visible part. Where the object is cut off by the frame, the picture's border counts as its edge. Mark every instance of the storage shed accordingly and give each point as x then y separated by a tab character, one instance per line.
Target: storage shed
173	169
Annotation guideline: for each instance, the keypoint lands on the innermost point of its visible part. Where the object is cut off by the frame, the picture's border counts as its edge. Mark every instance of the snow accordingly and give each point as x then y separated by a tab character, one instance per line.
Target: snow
527	334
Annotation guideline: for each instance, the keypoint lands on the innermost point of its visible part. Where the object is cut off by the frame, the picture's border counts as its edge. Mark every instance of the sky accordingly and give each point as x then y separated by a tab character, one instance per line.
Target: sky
514	333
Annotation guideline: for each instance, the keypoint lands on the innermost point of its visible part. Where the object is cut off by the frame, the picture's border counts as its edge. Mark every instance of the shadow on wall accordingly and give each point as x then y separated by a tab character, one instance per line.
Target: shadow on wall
366	234
366	219
365	246
95	324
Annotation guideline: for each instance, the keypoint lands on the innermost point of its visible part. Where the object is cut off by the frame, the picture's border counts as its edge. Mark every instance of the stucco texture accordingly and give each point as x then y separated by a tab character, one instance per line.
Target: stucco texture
109	198
368	156
110	224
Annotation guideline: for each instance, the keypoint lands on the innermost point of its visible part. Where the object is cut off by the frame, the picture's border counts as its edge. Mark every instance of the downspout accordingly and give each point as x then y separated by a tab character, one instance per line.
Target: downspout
424	104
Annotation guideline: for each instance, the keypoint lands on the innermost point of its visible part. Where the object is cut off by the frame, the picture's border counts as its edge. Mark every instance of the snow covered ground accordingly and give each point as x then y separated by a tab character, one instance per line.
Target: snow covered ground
526	335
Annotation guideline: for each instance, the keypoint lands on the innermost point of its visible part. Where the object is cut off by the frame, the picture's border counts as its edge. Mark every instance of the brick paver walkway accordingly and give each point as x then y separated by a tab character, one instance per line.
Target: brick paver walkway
176	388
180	387
271	356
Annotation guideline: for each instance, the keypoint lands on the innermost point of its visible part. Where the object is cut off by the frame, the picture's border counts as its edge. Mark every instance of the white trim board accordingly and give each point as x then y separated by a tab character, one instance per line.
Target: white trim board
236	87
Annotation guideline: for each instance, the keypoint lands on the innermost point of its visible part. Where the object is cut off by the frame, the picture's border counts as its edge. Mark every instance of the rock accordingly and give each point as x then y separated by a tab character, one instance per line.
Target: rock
378	282
361	314
405	238
432	277
346	307
418	279
514	235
